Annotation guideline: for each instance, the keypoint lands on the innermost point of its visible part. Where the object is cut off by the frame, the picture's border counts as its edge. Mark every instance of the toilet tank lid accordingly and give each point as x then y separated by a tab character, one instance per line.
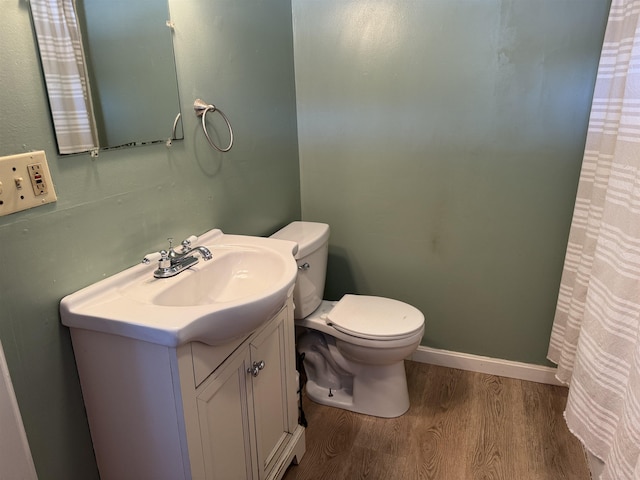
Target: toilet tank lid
308	235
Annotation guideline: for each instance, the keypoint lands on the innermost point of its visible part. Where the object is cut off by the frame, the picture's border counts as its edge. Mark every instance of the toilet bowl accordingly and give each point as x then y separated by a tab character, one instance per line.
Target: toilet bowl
354	349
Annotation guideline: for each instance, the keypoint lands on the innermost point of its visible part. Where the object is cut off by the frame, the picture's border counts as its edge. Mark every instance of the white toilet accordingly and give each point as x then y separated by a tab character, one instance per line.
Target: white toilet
354	349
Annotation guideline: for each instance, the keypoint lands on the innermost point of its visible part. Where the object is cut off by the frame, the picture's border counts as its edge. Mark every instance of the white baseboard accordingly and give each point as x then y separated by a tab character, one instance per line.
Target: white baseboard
492	366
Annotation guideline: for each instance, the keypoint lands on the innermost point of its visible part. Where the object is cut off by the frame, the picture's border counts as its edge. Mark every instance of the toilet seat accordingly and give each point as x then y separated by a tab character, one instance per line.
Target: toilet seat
375	318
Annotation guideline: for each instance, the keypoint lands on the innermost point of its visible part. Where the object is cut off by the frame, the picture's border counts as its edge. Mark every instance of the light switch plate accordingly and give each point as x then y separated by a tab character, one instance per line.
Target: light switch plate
26	182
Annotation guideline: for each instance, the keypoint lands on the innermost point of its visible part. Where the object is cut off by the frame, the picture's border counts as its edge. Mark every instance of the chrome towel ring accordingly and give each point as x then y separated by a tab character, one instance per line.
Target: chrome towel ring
201	108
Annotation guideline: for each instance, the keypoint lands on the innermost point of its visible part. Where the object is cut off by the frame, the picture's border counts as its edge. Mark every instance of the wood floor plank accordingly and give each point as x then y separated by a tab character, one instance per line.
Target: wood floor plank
491	450
334	434
460	426
554	453
388	437
369	464
440	426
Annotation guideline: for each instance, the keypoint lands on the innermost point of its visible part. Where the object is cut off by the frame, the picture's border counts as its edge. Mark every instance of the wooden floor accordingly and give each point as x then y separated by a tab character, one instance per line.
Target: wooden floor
461	425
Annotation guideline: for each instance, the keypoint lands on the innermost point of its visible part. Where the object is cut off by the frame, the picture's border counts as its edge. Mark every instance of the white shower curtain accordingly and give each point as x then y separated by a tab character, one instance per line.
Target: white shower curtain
63	63
596	333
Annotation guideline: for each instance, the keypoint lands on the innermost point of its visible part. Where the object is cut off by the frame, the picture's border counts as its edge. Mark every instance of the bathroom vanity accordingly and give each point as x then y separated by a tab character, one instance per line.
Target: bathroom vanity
192	376
193	411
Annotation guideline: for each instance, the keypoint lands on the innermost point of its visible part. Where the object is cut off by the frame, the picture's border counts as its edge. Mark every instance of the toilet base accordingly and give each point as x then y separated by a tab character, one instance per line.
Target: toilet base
379	391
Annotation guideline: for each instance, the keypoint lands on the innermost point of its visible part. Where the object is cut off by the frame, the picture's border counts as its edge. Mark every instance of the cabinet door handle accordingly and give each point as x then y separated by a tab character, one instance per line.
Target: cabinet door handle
255	368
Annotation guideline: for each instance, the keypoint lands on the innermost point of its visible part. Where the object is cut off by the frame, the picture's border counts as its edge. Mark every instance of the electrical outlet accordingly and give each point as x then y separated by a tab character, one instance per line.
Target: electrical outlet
15	195
37	179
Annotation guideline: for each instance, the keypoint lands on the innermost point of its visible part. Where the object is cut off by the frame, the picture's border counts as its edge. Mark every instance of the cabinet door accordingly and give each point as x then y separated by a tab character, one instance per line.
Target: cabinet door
223	410
270	394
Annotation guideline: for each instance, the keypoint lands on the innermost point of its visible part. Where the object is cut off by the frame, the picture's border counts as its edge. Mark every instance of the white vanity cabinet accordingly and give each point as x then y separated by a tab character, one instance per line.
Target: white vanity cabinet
196	411
250	389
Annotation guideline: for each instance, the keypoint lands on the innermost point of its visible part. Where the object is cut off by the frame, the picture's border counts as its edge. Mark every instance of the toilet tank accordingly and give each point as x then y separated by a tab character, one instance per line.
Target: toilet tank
313	248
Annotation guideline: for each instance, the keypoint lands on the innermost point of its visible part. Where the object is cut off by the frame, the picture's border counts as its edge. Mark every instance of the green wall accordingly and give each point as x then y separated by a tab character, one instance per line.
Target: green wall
442	141
113	209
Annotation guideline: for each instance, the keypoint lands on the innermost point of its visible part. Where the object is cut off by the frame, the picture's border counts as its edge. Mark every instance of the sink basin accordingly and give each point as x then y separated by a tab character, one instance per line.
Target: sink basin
235	273
247	281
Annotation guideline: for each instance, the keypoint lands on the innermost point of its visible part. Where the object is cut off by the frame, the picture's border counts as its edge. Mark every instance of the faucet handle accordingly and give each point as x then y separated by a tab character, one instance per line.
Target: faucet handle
165	260
151	257
187	242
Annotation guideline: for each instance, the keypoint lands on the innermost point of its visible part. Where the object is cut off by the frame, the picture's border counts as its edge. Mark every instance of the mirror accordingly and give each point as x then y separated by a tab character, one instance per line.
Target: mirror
126	71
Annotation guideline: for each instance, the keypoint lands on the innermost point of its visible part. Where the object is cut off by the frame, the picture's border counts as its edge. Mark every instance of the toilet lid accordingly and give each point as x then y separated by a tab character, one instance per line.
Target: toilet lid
375	317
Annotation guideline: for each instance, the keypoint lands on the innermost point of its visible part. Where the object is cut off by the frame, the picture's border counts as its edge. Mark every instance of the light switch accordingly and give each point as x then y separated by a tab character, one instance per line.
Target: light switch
16	173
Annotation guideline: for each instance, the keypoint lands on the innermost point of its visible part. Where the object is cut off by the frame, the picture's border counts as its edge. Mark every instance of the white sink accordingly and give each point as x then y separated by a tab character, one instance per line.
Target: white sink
247	282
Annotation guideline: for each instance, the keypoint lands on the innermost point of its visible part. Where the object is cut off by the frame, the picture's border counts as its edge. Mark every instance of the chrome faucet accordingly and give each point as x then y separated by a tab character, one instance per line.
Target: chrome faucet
172	263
